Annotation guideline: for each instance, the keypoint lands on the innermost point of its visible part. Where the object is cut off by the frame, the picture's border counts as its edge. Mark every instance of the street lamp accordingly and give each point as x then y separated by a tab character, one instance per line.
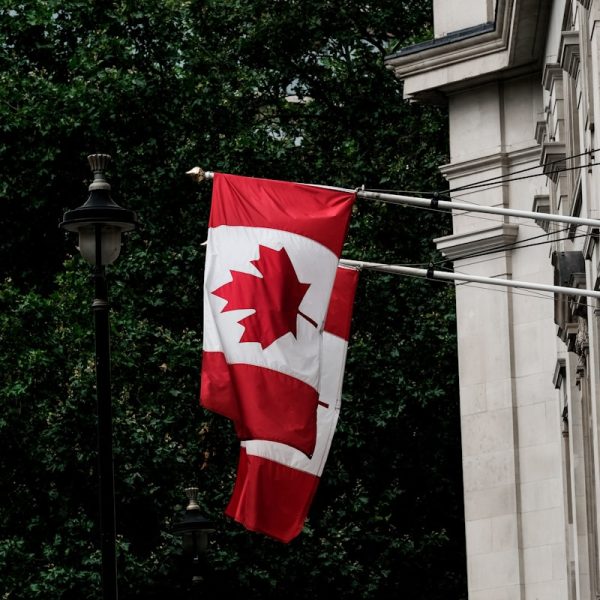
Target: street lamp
194	528
100	223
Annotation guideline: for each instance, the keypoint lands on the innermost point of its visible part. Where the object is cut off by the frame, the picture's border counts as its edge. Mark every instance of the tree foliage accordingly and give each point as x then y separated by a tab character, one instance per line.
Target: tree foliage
286	90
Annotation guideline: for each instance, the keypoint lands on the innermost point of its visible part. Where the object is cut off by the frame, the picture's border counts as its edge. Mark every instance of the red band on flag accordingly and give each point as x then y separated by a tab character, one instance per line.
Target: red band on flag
321	214
339	315
263	403
259	483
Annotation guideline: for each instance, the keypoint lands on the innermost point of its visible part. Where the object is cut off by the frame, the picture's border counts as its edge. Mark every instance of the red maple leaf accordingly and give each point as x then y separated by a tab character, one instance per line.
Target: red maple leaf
276	297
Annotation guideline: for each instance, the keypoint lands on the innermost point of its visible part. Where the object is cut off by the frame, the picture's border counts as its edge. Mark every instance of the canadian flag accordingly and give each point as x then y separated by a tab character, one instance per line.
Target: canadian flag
271	258
275	483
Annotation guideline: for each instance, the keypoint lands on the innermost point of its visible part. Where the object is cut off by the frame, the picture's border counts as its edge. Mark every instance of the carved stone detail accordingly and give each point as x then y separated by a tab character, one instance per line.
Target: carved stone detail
569	52
581	347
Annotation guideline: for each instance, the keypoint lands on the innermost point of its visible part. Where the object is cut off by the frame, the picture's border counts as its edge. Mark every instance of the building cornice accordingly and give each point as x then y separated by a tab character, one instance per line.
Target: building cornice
457	49
476	54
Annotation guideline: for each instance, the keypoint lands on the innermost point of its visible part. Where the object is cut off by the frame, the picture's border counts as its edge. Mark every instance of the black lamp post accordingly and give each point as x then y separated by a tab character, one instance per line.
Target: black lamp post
194	528
100	223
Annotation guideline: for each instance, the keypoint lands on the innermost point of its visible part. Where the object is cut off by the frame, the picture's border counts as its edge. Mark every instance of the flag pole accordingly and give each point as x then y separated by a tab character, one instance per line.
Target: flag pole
445	275
199	175
435	202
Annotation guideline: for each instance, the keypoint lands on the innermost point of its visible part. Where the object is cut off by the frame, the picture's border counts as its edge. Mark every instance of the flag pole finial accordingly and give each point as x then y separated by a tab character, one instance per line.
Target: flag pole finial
199	175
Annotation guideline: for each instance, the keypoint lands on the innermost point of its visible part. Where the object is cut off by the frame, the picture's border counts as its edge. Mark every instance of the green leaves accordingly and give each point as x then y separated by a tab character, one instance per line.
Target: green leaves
286	90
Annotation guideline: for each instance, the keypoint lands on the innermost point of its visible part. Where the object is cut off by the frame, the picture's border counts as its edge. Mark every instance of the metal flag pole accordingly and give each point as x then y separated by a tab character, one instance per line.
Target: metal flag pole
445	275
494	210
199	175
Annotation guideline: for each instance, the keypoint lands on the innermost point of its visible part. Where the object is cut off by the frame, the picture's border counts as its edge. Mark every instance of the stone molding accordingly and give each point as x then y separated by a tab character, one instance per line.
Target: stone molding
458	245
553	159
560	372
541	204
541	128
492	161
590	242
569	52
552	72
578	308
578	302
569	271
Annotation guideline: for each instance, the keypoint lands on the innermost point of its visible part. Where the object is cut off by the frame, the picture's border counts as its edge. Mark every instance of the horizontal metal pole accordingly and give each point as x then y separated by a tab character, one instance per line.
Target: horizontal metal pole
445	275
452	205
199	175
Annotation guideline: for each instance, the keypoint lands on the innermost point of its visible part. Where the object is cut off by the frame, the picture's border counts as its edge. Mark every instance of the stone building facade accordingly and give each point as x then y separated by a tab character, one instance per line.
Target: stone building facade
521	81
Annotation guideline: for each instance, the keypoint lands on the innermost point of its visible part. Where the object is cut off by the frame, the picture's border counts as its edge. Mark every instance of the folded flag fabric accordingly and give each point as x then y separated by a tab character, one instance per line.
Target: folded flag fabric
271	258
275	483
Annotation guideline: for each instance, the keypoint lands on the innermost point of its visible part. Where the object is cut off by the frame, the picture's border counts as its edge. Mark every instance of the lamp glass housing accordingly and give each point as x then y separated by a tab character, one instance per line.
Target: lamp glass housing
110	243
195	542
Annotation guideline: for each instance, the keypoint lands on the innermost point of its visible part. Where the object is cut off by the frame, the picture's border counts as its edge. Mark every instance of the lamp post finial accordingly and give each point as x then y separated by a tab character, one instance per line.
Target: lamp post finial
98	164
192	496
